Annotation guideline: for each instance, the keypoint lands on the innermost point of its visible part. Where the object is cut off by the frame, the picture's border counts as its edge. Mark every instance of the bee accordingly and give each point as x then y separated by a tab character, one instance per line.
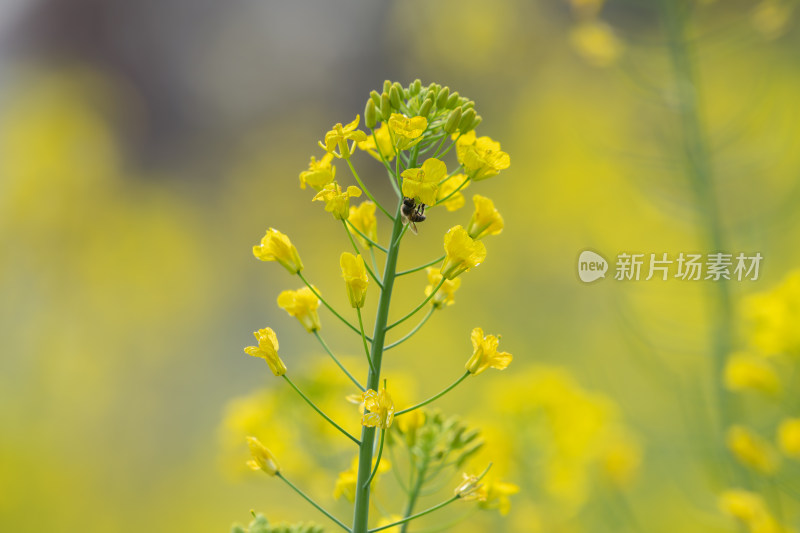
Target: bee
412	213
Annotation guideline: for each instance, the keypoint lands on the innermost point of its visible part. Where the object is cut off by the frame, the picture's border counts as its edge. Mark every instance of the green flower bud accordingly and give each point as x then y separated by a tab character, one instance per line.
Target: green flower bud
468	105
453	120
386	107
426	107
475	122
466	119
370	114
441	98
416	86
395	96
375	97
452	101
386	86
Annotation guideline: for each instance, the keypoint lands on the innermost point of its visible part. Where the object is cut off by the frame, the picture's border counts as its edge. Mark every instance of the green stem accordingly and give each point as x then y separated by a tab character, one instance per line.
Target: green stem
443	200
378	459
358	252
318	410
444	138
374	262
312	502
451	145
364	338
338	363
366	191
418	515
420	306
326	304
373	243
412	332
435	397
415	491
386	163
417	269
361	511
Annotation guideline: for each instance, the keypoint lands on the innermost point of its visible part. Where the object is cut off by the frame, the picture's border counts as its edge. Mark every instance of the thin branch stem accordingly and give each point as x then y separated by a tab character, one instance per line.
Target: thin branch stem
420	306
326	304
436	396
373	243
338	363
364	338
318	410
412	332
443	200
358	252
312	502
378	459
417	269
415	516
366	191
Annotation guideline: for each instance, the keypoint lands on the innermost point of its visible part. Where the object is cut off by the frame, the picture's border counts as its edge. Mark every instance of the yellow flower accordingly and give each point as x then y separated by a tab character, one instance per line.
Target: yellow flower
380	407
462	252
444	296
495	495
446	189
745	371
337	202
486	220
596	42
319	173
363	219
346	481
789	437
482	157
275	246
407	131
340	135
773	317
384	144
470	488
262	458
621	458
484	354
749	508
355	277
391	519
751	450
301	304
268	350
422	183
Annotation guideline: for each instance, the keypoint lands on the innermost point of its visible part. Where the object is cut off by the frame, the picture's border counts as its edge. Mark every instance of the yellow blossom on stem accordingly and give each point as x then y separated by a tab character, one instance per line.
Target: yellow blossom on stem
384	144
301	304
789	437
495	495
267	349
481	157
363	219
744	371
422	183
752	450
275	246
486	220
445	294
355	277
407	131
462	252
380	409
319	173
485	354
262	457
470	488
455	200
340	135
337	201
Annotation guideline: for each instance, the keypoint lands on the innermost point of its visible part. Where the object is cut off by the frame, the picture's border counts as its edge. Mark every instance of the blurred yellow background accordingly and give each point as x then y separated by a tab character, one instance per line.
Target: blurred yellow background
146	146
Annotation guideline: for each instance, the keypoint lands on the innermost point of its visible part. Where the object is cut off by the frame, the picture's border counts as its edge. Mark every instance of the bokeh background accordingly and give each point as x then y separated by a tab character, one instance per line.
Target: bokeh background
146	146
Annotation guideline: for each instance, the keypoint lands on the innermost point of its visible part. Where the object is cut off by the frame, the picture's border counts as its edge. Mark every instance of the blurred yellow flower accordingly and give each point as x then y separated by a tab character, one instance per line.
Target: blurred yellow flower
262	457
752	450
268	350
495	495
749	508
486	220
620	458
380	407
347	479
485	354
355	277
363	219
301	304
744	371
422	183
275	246
462	252
337	202
384	144
340	135
481	157
470	488
319	173
445	294
446	189
789	437
773	317
407	131
391	519
596	42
